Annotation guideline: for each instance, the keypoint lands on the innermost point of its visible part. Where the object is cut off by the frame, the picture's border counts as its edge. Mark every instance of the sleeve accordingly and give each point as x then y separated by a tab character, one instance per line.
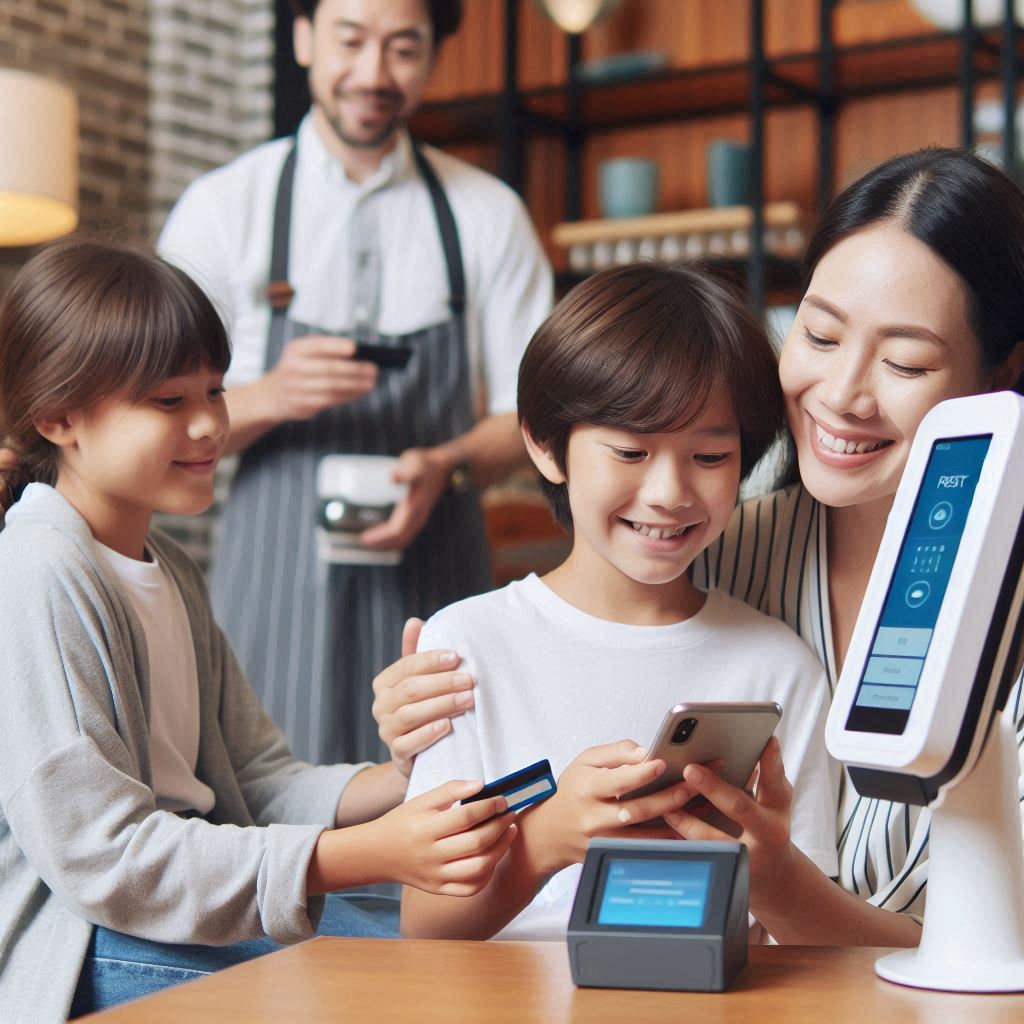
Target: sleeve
457	755
72	795
276	786
812	772
516	293
195	239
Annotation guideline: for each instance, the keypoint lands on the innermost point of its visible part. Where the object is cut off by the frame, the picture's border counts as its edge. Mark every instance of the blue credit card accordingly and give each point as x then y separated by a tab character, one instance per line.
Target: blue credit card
522	788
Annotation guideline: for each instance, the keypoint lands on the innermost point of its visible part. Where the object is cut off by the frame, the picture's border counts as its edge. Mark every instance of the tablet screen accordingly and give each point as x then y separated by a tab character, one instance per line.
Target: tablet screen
654	893
888	684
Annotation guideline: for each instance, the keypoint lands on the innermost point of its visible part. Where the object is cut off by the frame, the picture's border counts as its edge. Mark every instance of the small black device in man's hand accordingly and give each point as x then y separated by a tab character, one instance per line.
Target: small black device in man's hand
387	357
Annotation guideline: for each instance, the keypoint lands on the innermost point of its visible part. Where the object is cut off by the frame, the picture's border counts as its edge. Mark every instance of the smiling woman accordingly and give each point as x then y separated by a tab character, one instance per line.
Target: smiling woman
913	285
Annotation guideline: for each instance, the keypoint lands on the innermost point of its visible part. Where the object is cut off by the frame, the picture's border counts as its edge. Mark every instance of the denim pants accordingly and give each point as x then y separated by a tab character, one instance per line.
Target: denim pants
120	967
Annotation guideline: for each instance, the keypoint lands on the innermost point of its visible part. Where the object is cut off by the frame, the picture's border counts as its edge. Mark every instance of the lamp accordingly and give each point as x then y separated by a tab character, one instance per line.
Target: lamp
575	16
38	158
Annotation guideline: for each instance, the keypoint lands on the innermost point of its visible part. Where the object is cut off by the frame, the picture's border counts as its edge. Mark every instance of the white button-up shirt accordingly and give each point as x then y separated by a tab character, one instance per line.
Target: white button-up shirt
366	252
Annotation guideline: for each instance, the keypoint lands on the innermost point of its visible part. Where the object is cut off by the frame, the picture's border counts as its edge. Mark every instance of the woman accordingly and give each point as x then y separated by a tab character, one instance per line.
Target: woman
914	279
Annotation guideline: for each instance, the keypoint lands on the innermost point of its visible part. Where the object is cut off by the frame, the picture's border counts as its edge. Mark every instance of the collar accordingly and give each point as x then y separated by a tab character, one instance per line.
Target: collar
397	166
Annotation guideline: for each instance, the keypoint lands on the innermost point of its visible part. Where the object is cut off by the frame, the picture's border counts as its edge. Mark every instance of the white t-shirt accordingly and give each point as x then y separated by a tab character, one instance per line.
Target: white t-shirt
173	681
220	233
552	681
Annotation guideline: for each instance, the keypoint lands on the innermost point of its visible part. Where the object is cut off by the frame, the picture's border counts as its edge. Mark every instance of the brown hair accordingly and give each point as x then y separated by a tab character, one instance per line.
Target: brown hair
445	16
640	347
84	319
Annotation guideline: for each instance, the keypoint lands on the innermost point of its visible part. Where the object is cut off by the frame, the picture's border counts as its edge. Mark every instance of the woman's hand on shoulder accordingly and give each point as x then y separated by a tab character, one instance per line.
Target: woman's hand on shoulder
416	697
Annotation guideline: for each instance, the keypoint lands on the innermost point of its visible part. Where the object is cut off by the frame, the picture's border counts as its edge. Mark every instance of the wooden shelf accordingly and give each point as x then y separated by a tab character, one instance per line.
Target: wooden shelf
720	234
679	222
914	62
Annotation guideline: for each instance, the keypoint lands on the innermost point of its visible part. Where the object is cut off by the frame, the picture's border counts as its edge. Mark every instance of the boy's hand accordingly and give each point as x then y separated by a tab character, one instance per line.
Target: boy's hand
450	850
587	805
762	819
415	698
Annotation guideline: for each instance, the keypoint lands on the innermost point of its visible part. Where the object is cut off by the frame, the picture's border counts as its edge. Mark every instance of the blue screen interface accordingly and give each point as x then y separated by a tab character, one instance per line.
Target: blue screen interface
888	684
654	893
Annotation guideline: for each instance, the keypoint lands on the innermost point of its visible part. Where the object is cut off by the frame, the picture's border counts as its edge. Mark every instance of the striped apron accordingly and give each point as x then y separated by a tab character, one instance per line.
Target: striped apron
311	636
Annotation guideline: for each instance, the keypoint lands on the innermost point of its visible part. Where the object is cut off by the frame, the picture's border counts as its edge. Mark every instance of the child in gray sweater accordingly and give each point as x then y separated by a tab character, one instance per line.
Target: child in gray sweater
146	800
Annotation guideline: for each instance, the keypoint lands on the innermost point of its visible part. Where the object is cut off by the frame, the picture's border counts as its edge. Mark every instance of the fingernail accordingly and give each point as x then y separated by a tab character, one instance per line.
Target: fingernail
673	819
680	795
441	727
462	681
448	658
641	752
694	773
463	700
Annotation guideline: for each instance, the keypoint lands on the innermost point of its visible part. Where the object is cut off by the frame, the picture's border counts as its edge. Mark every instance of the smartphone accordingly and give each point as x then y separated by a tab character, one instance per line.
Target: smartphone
734	732
387	357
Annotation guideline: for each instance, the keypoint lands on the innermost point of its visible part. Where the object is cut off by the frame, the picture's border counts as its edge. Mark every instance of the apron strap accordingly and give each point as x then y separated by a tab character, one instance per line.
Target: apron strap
279	291
449	233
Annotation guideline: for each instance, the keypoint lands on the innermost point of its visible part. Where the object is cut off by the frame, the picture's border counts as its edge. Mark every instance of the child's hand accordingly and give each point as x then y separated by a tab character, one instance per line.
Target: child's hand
450	850
587	805
762	820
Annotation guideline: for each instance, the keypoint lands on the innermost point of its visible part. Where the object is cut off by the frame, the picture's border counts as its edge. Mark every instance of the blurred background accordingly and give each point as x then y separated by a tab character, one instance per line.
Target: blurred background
718	127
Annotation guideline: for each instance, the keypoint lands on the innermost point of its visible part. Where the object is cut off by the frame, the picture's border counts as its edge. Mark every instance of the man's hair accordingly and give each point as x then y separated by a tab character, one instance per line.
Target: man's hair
86	319
646	348
445	15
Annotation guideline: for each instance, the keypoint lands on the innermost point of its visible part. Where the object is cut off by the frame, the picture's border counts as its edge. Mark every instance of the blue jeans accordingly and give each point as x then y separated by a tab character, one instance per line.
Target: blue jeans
120	967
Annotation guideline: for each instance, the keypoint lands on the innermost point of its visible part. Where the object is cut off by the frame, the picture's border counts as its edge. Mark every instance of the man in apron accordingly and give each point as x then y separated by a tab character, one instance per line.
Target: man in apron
350	233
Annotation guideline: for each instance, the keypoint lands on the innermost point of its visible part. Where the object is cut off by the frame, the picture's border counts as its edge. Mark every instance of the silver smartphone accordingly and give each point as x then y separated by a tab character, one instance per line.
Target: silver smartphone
731	731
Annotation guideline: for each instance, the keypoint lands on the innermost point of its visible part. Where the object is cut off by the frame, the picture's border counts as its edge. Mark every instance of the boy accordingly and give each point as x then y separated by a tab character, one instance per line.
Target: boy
643	399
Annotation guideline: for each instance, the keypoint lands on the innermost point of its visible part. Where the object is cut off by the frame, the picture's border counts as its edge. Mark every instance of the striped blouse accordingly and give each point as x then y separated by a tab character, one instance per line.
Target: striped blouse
774	556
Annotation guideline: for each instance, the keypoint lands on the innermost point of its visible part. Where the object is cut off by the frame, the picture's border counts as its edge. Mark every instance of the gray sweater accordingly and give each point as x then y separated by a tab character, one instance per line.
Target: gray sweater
81	840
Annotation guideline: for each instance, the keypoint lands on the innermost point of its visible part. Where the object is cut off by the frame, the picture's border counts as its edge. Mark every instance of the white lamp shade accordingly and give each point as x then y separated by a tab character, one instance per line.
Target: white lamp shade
38	158
576	15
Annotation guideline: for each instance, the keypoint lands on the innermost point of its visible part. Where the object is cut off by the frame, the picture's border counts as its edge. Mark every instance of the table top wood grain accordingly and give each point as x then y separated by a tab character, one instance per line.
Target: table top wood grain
422	981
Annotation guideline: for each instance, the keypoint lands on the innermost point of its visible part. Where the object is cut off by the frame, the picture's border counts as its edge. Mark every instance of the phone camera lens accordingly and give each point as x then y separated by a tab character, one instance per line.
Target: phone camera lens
684	730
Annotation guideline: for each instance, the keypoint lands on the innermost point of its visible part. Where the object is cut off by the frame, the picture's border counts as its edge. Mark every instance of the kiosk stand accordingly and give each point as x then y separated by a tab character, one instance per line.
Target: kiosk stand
973	936
935	653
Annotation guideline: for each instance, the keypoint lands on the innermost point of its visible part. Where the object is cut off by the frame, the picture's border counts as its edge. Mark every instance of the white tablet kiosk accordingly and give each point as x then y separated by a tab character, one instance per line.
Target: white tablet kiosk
934	654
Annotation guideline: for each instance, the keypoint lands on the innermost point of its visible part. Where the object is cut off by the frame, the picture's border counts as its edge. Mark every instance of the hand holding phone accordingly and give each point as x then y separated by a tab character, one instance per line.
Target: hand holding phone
732	732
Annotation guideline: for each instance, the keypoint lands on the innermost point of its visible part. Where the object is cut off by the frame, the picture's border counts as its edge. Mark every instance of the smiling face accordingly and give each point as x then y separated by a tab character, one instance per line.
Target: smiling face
121	461
368	64
645	505
881	336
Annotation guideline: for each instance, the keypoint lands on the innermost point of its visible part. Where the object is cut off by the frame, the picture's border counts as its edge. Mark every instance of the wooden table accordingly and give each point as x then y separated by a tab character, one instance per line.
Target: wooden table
421	981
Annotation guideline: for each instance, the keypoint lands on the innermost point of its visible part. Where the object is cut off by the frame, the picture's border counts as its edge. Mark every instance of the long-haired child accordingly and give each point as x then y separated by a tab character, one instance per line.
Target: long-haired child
149	810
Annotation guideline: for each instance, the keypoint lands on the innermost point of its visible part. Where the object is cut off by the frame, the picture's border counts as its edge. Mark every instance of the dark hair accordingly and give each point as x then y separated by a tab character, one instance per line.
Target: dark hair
639	347
85	319
967	211
445	15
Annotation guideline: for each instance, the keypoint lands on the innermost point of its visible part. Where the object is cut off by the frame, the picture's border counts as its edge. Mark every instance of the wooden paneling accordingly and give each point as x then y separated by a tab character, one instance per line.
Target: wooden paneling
696	33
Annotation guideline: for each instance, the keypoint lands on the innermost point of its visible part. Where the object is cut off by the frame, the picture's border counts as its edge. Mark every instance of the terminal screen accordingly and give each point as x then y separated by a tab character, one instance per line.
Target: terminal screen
642	893
900	645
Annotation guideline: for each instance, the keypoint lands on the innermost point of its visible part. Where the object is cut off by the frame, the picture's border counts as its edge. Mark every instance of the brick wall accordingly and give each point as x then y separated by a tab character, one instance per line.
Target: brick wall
166	89
99	48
